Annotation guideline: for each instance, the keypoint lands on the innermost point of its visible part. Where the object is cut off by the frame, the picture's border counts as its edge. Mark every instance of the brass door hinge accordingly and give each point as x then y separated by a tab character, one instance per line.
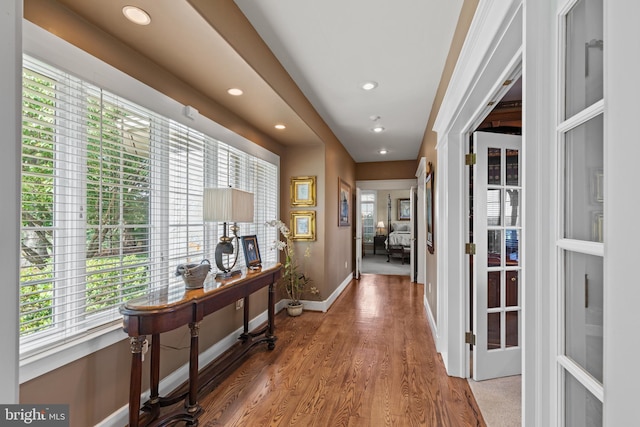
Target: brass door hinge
470	248
470	159
469	338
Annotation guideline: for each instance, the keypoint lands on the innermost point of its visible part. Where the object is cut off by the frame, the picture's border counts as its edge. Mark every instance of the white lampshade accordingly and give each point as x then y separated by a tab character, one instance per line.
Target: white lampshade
227	205
380	224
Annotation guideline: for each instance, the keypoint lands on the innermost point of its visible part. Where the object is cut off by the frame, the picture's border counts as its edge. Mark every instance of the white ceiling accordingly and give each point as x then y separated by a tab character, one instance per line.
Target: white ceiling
328	47
331	47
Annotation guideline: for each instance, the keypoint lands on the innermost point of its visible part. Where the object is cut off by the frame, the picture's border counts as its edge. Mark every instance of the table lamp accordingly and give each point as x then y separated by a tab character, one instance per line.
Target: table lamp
380	227
227	205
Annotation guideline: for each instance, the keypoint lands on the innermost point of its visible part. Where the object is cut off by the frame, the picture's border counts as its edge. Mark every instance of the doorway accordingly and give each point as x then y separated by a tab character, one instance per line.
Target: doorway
384	207
494	269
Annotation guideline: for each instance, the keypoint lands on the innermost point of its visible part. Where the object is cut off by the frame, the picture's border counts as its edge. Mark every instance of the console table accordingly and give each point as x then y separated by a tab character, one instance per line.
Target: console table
172	308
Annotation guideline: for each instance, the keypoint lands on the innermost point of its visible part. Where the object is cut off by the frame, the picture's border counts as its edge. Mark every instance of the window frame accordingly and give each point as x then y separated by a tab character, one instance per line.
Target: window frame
58	53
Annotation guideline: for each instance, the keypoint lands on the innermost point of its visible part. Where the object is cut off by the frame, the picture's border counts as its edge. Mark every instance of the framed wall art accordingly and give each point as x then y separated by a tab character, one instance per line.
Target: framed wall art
344	203
428	188
303	191
251	251
303	225
404	209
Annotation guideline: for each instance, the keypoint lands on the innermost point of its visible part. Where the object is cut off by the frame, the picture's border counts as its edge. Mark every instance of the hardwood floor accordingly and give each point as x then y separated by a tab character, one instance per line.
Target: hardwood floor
369	361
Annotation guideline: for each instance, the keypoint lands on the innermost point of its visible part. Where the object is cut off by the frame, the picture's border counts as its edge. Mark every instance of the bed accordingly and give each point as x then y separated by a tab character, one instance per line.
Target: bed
400	235
398	243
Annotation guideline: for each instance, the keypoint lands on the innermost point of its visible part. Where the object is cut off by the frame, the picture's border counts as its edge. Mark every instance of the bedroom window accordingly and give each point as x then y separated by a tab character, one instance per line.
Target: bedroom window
368	209
112	202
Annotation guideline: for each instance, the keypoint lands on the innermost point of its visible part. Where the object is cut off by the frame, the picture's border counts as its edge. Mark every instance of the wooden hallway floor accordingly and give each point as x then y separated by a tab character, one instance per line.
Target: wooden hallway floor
369	361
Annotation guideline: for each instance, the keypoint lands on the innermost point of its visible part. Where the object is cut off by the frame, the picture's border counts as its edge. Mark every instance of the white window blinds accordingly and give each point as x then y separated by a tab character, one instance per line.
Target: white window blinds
112	203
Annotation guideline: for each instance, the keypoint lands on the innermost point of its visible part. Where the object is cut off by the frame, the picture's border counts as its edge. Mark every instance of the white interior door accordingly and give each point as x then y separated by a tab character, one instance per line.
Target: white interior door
358	234
497	226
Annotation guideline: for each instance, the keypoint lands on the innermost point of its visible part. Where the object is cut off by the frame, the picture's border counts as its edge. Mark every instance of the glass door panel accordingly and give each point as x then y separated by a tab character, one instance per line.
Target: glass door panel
494	206
584	56
512	326
494	331
584	311
494	248
494	160
584	150
582	408
512	208
493	289
512	291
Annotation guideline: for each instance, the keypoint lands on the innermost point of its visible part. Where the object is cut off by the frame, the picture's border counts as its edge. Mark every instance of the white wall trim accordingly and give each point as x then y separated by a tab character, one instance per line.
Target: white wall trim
489	25
491	51
432	321
10	161
323	305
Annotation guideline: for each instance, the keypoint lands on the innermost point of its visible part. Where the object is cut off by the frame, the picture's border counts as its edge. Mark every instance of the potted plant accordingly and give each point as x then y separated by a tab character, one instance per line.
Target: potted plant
293	281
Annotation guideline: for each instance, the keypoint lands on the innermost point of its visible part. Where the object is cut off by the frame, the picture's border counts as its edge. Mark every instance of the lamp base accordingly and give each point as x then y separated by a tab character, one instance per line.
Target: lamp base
227	274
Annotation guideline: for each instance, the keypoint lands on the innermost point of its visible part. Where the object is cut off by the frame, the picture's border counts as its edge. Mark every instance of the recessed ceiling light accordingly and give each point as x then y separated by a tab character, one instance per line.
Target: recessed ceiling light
369	85
136	15
235	91
383	151
279	126
378	129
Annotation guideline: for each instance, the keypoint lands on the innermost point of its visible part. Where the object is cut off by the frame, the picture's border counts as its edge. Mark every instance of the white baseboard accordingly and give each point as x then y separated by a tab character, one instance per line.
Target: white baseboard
432	321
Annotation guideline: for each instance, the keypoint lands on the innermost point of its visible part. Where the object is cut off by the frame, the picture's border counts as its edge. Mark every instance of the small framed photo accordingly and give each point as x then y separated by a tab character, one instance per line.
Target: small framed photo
251	251
303	191
344	203
303	225
404	209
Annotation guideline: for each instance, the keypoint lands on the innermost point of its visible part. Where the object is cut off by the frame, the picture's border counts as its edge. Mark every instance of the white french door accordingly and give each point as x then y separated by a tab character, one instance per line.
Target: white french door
497	225
580	241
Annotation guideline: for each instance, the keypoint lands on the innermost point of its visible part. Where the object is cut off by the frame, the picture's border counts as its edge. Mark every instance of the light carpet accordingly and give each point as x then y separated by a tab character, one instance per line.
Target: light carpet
377	264
499	400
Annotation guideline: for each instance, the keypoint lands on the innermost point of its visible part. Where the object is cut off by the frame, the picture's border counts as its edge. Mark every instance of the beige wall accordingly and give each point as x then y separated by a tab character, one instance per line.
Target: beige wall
308	161
404	169
339	242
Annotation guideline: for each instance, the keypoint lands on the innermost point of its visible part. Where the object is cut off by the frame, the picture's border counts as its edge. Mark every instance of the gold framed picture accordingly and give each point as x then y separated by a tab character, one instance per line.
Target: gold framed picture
303	191
303	225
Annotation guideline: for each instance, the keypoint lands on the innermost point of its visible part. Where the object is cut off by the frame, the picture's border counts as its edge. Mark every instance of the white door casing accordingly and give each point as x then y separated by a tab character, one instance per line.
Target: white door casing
497	225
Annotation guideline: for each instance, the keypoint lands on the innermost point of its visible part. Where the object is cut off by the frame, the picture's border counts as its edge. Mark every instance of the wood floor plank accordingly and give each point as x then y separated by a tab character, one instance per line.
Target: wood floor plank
369	361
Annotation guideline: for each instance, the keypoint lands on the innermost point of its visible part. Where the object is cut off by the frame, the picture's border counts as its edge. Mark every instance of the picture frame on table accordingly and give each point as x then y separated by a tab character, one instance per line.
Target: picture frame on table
303	225
251	252
303	191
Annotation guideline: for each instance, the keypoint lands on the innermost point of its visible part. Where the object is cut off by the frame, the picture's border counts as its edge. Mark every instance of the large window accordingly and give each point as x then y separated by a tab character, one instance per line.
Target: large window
112	203
368	210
